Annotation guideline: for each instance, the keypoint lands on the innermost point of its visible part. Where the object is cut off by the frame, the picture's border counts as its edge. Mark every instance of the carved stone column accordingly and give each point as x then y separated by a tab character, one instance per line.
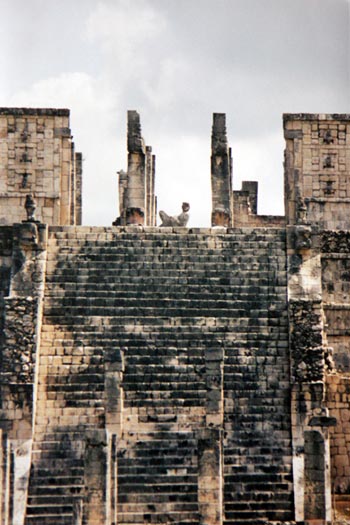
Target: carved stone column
135	192
221	174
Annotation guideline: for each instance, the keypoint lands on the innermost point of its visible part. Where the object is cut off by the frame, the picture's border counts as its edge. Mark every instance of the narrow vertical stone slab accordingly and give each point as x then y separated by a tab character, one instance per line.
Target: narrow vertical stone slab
221	174
22	459
112	480
148	185
210	476
214	363
114	368
153	216
78	188
95	477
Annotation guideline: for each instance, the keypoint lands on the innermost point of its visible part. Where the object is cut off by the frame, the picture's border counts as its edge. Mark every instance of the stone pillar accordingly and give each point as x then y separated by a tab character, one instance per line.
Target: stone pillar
66	174
78	188
95	510
6	472
21	455
135	192
308	346
210	476
114	369
137	202
72	185
150	215
221	174
112	481
153	218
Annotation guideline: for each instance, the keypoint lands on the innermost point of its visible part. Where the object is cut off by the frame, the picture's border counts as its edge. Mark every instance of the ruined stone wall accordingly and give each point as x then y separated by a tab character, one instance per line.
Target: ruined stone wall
335	247
338	402
22	260
36	157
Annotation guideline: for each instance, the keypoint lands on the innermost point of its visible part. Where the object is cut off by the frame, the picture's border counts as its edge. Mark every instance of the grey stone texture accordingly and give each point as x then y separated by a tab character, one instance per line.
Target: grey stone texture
179	375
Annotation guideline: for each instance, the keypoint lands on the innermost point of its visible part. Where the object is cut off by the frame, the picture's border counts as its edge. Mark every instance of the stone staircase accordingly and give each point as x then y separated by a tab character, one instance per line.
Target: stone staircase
164	297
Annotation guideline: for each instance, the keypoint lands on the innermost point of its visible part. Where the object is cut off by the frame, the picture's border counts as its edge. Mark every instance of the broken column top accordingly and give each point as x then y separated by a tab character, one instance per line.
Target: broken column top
218	135
135	141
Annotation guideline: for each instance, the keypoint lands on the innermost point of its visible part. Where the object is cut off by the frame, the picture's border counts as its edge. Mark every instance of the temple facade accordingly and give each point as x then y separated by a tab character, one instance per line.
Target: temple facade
173	375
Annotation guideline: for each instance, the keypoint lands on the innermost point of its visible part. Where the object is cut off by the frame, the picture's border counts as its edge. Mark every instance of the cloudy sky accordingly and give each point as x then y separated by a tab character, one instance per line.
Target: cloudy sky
177	62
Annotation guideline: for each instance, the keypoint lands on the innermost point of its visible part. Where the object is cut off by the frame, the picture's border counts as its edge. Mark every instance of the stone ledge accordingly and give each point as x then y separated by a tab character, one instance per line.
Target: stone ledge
22	193
51	112
316	116
169	230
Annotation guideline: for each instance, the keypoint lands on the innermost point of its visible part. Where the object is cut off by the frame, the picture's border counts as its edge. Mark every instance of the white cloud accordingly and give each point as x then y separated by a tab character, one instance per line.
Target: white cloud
261	159
124	30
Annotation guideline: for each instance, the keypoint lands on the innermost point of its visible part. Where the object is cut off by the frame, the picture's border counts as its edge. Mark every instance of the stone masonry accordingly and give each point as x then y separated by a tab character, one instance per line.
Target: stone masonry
37	156
174	375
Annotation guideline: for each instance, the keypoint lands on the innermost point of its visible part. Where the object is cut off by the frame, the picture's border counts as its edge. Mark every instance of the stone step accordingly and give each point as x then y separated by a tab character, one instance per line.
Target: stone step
251	317
278	502
153	479
246	305
130	251
158	509
50	509
163	290
191	269
178	518
145	457
129	248
81	324
165	497
63	500
58	474
244	516
45	488
128	468
259	521
159	276
49	519
164	488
